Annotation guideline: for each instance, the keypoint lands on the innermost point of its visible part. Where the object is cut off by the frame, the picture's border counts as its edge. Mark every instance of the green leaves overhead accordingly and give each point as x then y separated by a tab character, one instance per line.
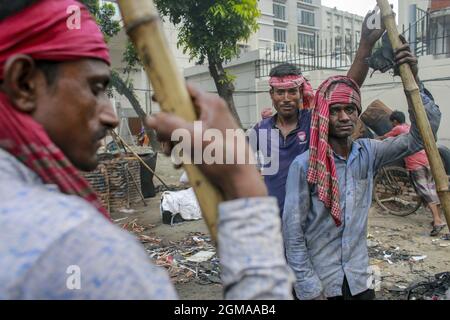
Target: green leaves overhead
211	28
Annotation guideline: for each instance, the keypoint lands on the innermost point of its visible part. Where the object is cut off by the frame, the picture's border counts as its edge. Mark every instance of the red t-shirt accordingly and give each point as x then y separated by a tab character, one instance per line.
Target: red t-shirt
417	160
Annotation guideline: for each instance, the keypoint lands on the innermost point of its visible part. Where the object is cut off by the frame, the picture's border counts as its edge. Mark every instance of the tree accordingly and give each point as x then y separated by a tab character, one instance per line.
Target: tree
209	30
104	15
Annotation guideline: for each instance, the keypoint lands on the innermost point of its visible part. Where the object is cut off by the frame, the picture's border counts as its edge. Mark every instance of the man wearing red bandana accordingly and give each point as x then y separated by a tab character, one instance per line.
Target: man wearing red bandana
56	240
329	192
293	98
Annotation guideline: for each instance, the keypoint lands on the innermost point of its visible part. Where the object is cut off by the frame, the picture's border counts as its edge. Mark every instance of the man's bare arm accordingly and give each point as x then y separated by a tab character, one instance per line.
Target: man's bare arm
359	69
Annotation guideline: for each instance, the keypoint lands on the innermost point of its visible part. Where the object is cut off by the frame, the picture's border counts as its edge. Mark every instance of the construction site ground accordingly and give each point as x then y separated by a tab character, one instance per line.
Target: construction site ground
400	248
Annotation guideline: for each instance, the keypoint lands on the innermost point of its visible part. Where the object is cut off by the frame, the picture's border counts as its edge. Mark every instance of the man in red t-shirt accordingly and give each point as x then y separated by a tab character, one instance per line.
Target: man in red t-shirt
419	169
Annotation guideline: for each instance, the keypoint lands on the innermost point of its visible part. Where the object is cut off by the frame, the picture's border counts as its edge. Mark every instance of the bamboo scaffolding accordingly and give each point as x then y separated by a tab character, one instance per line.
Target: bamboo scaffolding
413	95
143	26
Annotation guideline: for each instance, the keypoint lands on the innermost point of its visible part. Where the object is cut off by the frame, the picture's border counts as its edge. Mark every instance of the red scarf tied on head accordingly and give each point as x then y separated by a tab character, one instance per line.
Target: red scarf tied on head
322	169
42	32
292	81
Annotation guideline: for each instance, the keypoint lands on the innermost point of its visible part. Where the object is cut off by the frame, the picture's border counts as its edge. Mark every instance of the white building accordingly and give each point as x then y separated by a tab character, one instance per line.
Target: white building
407	12
285	23
340	30
305	25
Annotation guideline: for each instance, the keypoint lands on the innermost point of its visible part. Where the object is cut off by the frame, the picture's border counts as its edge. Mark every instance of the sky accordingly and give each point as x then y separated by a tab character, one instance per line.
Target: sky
360	7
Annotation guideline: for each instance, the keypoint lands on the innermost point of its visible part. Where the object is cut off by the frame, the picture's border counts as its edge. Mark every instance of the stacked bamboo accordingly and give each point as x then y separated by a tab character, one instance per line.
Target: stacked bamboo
98	179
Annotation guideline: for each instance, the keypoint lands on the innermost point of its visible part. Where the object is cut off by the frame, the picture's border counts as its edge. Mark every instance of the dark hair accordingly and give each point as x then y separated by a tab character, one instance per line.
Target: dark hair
285	69
9	8
397	116
49	69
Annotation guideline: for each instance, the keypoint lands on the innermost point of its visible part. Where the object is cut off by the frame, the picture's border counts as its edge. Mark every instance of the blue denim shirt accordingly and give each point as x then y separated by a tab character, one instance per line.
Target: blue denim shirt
320	253
43	233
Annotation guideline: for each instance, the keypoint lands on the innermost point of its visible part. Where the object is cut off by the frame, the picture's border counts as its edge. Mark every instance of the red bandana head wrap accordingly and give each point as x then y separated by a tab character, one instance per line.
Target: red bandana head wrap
292	81
322	169
41	31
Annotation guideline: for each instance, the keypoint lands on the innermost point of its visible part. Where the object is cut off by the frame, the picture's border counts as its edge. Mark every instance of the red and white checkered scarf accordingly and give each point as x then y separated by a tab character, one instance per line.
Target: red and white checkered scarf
322	169
292	81
40	31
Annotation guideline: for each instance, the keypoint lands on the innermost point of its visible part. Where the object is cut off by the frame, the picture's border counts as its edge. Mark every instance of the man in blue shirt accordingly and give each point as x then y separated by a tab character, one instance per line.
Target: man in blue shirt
54	241
292	98
329	192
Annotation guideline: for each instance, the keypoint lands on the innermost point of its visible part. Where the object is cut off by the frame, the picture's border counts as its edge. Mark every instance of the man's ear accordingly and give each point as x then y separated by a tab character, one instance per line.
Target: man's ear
20	82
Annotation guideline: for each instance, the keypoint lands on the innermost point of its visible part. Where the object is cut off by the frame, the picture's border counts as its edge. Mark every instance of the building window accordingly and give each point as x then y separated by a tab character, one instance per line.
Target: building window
338	43
306	42
306	1
279	11
337	29
306	17
279	37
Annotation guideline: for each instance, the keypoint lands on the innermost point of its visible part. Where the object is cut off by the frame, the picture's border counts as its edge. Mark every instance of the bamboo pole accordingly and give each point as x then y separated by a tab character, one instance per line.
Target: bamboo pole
143	25
126	146
413	95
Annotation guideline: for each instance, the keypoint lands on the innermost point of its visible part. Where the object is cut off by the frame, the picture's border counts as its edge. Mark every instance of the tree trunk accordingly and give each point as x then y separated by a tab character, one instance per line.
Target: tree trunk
122	88
225	88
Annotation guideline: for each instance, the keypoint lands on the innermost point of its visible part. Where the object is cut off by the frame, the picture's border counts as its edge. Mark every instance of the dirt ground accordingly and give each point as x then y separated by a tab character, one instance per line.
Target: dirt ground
394	243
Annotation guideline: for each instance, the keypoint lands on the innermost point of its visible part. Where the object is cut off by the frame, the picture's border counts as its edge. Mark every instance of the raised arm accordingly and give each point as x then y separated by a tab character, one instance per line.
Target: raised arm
359	69
393	149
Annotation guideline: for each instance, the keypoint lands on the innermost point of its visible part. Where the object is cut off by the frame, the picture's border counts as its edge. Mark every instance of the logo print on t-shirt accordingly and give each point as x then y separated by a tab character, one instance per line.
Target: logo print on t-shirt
302	136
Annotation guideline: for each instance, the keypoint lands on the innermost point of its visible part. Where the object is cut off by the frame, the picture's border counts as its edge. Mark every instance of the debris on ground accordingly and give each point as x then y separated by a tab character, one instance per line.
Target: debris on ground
127	211
135	227
201	256
193	258
372	244
418	258
170	187
391	255
147	239
435	288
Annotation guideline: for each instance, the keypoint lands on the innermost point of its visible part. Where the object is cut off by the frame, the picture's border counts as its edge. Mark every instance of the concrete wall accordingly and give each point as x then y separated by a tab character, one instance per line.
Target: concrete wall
252	94
138	77
245	97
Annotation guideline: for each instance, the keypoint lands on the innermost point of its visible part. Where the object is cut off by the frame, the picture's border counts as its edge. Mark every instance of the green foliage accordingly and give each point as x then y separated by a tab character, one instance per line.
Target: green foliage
130	58
104	15
211	29
227	78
